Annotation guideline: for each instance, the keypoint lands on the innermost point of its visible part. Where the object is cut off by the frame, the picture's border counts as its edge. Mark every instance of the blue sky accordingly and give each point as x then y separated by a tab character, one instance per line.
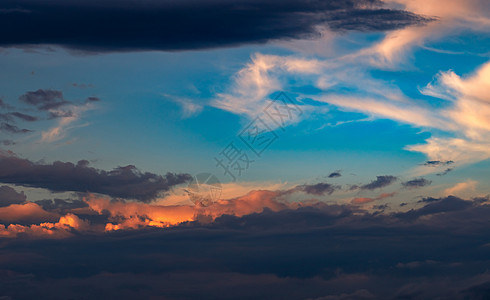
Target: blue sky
407	100
143	118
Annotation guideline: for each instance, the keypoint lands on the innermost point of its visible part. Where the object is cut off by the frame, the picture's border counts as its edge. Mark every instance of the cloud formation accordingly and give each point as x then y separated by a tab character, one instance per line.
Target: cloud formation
322	251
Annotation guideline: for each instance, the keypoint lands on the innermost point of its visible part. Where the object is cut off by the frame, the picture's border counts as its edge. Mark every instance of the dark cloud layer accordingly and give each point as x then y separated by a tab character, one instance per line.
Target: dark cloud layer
187	24
124	182
438	251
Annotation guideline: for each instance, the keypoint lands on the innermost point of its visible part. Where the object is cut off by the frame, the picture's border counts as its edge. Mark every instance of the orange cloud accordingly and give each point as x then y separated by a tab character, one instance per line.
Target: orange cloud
367	200
131	215
61	229
28	212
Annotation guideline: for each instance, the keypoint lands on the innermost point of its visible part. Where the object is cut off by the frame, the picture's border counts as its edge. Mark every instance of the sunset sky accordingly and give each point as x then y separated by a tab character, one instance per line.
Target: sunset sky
342	136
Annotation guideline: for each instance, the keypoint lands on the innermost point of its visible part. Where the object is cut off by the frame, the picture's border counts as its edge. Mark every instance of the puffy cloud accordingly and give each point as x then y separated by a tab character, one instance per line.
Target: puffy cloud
416	183
380	182
318	189
44	99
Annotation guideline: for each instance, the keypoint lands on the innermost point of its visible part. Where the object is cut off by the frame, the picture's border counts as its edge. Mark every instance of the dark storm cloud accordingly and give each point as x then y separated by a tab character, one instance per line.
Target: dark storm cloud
10	196
416	183
123	182
438	251
187	24
334	174
44	99
318	189
381	181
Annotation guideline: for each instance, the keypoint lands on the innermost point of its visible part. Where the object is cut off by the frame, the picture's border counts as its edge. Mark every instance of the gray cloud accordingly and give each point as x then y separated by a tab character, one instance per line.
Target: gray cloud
437	163
380	182
10	196
9	128
416	183
7	142
44	99
124	182
318	189
335	174
24	117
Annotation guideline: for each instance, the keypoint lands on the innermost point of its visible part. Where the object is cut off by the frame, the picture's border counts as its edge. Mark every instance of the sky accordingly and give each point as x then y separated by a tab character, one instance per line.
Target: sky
244	149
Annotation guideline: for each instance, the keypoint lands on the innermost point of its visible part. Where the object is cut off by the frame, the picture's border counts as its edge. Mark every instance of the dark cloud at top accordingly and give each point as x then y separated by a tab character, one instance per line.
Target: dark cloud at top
127	25
10	196
335	174
416	183
437	251
318	189
123	182
381	181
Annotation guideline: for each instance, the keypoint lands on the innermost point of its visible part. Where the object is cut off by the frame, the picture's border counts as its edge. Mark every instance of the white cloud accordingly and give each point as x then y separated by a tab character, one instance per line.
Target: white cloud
460	188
